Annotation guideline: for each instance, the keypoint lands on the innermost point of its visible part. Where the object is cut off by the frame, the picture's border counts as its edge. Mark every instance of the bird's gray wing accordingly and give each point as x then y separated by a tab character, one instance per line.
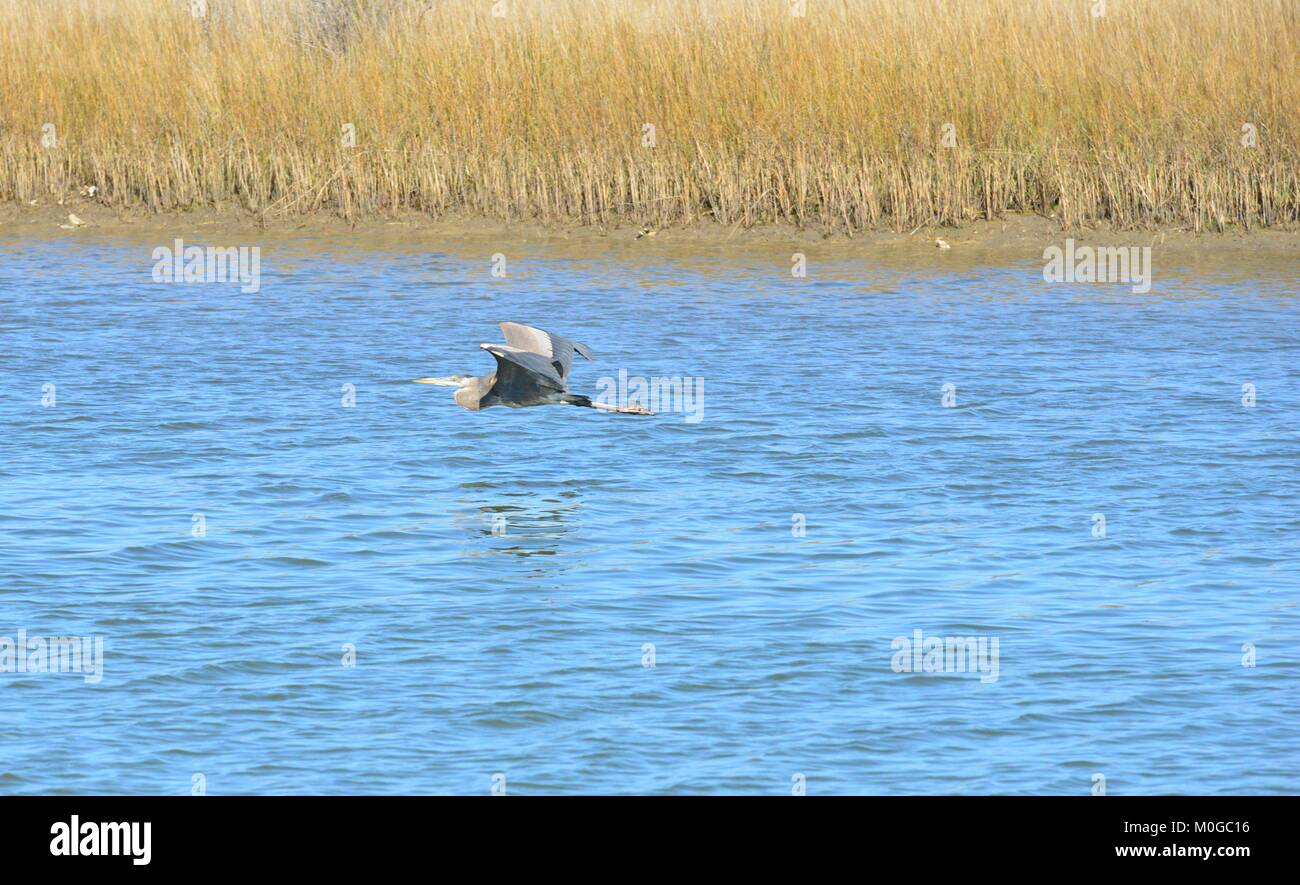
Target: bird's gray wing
523	376
557	350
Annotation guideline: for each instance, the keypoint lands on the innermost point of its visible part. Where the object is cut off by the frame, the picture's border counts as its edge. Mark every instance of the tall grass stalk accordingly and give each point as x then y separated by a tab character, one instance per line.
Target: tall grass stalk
837	119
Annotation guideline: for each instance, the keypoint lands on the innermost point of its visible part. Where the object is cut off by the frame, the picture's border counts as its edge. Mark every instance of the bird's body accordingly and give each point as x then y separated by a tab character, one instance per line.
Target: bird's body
532	370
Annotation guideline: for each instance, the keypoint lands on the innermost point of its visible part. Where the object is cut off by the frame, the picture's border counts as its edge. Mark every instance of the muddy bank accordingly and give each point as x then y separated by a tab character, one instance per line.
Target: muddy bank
1013	238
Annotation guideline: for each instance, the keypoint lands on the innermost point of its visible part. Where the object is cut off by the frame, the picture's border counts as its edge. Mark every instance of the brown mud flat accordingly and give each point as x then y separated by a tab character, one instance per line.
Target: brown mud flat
1017	237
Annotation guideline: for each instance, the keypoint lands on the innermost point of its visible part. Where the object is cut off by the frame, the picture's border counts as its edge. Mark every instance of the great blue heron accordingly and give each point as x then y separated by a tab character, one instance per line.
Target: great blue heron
532	370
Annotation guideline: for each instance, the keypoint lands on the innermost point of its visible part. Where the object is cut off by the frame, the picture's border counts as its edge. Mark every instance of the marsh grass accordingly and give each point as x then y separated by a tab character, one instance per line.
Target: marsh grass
835	119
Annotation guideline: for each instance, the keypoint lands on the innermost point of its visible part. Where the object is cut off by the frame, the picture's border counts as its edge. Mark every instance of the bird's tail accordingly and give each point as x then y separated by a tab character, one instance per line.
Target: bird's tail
577	399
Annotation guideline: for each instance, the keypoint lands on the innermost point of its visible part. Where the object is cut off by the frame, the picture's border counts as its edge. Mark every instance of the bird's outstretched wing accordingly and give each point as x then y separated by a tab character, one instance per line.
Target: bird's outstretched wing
558	351
523	376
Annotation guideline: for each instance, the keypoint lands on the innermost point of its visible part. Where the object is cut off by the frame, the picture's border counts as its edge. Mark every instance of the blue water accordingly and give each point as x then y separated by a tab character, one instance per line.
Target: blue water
524	655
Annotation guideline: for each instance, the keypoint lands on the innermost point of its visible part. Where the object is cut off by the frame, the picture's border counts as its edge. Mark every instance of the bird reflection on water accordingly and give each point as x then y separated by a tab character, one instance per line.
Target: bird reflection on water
526	523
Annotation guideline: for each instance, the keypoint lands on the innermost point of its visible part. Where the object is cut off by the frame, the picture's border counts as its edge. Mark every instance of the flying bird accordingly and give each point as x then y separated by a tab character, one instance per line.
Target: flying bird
532	370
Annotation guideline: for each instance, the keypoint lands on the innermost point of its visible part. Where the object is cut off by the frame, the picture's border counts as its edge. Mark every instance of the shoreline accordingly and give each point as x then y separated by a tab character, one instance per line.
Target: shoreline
1015	236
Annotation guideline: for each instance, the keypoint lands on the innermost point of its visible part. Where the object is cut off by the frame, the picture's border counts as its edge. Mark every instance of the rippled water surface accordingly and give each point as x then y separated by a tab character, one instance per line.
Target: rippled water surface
629	540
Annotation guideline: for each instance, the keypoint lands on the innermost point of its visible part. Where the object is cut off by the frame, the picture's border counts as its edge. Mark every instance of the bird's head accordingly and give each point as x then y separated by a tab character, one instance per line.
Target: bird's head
468	389
449	381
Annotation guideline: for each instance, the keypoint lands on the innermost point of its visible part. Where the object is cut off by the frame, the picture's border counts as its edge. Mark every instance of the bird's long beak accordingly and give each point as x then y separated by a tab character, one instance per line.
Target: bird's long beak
454	381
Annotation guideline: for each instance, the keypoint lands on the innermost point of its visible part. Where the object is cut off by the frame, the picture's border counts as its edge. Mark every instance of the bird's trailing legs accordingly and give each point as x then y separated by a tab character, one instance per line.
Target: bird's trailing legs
578	400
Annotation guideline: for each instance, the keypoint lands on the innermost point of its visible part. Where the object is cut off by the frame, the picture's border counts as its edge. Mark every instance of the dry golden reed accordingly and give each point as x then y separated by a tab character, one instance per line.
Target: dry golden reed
858	114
